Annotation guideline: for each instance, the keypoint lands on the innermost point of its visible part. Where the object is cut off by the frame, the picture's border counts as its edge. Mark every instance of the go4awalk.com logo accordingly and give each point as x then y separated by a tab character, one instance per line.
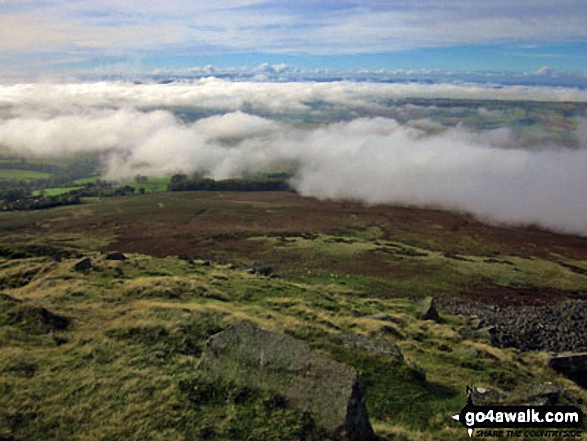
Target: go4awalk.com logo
521	421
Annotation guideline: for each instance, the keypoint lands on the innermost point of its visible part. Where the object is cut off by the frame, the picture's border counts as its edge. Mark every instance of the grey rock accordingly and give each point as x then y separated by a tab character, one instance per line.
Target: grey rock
116	256
375	346
542	394
329	391
539	394
260	269
573	366
427	310
477	323
557	328
83	265
487	396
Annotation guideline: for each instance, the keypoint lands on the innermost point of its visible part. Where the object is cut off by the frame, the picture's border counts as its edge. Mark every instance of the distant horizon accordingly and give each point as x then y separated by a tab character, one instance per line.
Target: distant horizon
285	73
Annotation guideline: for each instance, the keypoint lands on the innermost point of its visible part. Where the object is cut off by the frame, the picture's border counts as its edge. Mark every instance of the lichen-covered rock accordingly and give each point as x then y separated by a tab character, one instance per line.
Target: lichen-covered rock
427	310
329	391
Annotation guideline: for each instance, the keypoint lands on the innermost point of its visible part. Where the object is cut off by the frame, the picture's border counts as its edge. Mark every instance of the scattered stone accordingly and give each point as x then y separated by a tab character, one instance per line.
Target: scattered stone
477	322
485	396
118	272
186	258
206	263
557	328
572	366
116	256
329	391
487	333
543	394
375	346
427	310
83	265
260	269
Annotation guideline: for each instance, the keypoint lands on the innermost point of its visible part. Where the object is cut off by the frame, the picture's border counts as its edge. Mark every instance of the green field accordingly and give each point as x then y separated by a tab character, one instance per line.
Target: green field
153	184
56	191
22	175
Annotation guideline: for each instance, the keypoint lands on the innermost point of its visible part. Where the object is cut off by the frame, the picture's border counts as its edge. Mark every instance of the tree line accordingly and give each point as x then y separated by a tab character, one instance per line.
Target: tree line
182	182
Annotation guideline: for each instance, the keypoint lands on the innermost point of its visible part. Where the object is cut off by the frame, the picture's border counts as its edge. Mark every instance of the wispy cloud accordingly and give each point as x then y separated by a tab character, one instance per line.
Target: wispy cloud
305	26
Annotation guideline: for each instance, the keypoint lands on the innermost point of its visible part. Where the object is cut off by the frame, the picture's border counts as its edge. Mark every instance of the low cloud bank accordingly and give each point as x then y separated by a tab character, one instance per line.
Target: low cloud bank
375	160
214	93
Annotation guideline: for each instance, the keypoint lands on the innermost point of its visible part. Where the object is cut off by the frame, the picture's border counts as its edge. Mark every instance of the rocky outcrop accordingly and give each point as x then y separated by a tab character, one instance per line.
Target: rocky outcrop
329	391
572	366
557	328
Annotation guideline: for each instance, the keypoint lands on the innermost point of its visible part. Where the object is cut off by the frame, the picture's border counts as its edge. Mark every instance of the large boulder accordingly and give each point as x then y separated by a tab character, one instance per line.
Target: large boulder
572	366
329	391
426	310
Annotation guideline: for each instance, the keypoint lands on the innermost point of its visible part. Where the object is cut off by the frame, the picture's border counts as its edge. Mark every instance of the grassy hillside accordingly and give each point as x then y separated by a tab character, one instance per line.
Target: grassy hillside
111	352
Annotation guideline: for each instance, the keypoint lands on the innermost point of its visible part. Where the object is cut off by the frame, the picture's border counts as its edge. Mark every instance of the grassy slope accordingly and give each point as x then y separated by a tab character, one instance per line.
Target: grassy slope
126	366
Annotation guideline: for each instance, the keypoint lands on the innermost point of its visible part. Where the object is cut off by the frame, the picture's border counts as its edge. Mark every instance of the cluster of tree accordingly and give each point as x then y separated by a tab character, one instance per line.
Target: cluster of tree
104	189
11	192
79	169
41	202
21	199
184	183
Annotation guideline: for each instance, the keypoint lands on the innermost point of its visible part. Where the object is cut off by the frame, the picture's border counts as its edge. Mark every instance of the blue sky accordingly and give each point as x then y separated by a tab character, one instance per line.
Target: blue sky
39	38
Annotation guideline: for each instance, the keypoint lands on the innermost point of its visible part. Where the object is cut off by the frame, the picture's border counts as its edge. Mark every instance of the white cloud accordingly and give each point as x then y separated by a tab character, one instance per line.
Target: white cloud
376	160
213	93
285	27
